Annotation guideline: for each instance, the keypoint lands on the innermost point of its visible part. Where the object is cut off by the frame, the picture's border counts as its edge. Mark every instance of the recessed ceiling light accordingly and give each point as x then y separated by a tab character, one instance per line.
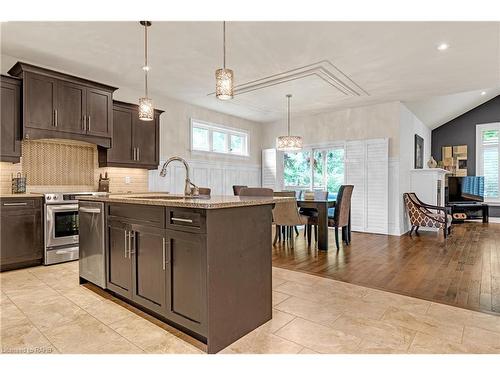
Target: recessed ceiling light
443	47
483	93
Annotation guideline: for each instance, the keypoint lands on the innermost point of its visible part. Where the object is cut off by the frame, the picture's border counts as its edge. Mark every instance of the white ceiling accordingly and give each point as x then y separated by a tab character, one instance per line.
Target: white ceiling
438	110
384	61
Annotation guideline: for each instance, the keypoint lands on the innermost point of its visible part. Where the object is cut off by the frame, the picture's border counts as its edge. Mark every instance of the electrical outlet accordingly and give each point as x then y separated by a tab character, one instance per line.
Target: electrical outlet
128	179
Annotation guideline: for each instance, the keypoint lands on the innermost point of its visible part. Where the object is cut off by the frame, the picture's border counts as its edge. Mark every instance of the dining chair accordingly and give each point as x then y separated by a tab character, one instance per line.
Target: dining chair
281	230
237	188
312	213
256	192
204	191
341	214
286	215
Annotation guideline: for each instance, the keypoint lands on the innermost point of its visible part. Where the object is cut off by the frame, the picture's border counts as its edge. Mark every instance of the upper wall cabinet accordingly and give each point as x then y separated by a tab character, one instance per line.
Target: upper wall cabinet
57	105
135	142
10	123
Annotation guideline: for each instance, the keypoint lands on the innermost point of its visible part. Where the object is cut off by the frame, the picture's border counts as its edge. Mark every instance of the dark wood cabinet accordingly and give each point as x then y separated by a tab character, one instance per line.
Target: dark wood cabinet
135	142
186	280
57	105
71	108
119	272
10	123
40	96
99	112
149	267
21	232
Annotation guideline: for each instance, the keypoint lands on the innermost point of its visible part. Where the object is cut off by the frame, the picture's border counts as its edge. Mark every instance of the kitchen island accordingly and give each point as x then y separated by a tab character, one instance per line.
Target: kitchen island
201	264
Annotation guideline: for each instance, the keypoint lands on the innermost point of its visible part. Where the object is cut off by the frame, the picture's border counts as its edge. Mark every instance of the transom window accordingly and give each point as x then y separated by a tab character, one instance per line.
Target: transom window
218	139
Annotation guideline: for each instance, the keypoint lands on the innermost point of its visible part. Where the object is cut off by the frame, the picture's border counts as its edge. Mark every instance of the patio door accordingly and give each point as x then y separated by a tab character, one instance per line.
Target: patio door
328	169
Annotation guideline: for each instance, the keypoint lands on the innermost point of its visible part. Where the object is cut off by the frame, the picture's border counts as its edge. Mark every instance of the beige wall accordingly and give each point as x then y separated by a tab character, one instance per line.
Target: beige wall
375	121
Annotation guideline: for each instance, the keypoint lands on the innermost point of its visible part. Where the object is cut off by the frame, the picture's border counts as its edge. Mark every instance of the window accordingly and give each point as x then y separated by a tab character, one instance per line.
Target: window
323	171
487	159
218	139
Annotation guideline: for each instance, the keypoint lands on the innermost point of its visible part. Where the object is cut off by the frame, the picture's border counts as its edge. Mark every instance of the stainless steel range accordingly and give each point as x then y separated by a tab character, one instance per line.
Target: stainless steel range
61	226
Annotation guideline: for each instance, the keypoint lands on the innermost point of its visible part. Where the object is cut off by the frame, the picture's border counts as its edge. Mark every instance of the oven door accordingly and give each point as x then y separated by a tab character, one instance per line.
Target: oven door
61	227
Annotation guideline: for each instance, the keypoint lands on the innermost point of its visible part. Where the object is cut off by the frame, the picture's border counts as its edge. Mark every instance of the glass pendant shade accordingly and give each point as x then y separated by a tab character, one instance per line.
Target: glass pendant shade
224	84
289	143
146	110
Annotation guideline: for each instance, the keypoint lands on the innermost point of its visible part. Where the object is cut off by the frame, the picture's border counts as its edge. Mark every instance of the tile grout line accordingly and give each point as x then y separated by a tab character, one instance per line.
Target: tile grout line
81	308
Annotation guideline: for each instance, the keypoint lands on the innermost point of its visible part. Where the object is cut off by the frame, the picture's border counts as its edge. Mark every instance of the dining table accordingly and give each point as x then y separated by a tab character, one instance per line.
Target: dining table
322	206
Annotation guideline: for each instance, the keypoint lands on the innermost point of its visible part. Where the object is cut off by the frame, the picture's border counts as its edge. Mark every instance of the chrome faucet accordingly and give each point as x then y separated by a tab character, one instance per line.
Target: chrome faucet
190	189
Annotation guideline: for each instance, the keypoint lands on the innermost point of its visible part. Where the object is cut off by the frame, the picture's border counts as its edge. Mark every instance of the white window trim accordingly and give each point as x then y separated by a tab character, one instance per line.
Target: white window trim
480	128
223	129
323	146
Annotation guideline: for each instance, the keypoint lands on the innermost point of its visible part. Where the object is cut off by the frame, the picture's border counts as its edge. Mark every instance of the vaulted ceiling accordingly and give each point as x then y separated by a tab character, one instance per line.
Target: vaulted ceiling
324	65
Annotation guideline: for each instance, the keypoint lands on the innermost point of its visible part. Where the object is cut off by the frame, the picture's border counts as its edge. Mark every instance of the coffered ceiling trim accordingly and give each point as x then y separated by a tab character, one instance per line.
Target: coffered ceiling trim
324	70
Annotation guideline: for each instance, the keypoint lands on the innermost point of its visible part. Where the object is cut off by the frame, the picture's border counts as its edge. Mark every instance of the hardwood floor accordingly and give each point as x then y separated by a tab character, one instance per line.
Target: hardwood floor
462	271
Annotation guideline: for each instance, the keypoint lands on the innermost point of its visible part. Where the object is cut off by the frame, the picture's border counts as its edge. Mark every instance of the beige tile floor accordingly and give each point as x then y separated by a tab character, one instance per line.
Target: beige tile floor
45	310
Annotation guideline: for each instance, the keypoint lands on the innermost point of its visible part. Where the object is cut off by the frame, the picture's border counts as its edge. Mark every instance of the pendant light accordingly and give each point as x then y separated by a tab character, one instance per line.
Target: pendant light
224	77
289	142
146	110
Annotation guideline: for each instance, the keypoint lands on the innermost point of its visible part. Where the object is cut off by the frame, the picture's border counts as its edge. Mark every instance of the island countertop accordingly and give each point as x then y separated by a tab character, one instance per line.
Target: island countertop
173	200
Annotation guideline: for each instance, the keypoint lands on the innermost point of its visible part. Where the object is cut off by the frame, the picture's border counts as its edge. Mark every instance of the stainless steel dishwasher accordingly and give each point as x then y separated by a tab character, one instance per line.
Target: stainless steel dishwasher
92	263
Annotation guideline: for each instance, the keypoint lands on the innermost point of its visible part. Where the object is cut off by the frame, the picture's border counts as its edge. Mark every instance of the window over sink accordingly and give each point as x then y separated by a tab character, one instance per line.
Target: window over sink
219	139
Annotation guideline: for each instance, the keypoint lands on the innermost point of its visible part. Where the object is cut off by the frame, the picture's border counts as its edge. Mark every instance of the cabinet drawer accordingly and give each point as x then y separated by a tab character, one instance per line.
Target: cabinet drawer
153	215
16	204
186	219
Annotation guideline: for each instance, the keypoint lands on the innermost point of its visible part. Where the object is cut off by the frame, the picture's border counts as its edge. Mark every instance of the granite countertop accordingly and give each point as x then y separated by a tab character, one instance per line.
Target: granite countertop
172	200
21	195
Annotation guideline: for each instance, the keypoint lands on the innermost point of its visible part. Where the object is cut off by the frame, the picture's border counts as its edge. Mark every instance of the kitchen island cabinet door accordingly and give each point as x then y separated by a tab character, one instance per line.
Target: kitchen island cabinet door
40	95
119	273
99	113
149	267
186	280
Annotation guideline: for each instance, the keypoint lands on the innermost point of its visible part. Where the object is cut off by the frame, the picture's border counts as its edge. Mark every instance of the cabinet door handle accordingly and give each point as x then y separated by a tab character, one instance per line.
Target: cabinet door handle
126	242
16	204
135	153
88	120
84	122
56	119
138	153
182	220
131	247
163	252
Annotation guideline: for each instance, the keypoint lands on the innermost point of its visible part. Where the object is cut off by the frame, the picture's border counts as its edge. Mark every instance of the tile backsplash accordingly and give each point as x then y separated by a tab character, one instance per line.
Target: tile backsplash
61	165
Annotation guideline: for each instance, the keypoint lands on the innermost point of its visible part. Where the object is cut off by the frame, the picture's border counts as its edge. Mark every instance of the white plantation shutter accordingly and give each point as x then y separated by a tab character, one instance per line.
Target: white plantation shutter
367	168
355	167
377	186
488	159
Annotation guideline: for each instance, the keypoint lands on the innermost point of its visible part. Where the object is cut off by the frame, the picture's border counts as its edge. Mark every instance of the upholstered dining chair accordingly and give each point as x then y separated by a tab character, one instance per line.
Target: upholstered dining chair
341	214
282	230
286	215
237	189
313	214
256	192
426	215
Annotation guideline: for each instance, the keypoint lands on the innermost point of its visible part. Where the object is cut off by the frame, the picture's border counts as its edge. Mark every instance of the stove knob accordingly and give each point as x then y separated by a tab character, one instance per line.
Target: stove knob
55	197
49	198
